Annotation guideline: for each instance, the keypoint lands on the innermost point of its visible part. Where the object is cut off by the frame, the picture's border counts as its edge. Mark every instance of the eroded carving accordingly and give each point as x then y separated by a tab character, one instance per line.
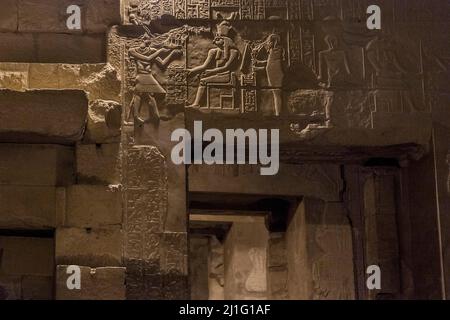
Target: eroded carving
392	92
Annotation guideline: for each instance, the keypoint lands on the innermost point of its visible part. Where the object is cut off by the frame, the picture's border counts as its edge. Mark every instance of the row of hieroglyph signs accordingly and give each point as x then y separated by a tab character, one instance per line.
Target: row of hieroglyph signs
143	11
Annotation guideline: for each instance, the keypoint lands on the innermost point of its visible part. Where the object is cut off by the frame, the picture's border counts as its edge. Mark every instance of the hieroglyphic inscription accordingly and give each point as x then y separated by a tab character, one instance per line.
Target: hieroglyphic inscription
145	207
308	48
295	46
177	90
246	9
197	9
249	94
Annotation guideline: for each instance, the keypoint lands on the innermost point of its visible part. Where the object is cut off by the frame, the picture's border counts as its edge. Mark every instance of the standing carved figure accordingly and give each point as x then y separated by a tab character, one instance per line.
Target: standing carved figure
147	90
274	66
334	72
390	76
219	64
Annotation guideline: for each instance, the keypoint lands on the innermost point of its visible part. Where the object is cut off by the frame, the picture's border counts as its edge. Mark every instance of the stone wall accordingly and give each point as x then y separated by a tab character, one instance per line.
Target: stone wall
86	176
60	179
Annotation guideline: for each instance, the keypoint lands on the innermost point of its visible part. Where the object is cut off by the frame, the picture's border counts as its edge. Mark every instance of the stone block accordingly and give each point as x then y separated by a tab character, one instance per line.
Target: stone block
52	48
174	253
89	247
42	15
99	80
106	283
102	14
9	16
14	76
26	256
51	15
70	48
89	206
31	164
315	180
44	76
17	47
37	288
98	164
104	121
38	116
27	207
278	285
320	252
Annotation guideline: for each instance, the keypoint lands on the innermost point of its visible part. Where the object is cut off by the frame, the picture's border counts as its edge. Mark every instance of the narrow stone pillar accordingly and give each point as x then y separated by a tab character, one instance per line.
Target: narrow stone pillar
246	261
145	205
441	148
320	254
277	271
381	236
198	267
216	280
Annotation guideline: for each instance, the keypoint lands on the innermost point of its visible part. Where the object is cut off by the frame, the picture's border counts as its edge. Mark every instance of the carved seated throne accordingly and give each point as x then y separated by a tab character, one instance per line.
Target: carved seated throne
223	96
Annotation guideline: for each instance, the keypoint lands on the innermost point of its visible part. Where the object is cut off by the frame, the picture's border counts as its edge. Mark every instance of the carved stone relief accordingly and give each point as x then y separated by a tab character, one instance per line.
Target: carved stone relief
219	63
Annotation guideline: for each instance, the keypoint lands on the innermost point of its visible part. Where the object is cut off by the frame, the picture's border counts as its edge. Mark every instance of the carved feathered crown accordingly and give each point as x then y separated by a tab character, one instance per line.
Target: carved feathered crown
225	29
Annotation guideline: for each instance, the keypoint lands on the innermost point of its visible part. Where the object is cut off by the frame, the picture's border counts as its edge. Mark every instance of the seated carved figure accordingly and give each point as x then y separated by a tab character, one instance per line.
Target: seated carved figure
219	64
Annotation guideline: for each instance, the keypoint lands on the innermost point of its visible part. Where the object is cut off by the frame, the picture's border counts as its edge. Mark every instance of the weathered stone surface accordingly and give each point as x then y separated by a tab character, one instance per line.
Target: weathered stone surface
40	165
102	14
246	261
106	283
27	207
71	48
426	267
10	287
216	267
199	268
442	156
175	287
89	247
41	115
9	16
99	80
380	215
174	253
52	48
27	256
42	16
146	205
322	181
320	258
175	219
277	266
37	288
51	16
90	206
104	119
98	164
